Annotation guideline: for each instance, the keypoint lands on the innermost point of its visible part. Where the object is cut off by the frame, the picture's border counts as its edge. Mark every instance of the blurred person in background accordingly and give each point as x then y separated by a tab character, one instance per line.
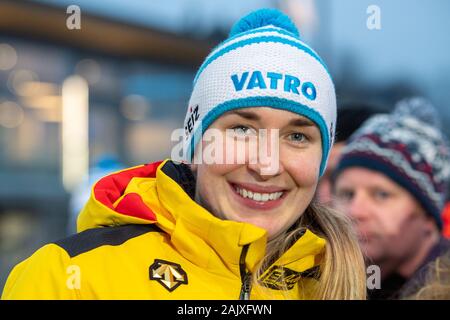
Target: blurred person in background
391	180
170	230
435	284
349	118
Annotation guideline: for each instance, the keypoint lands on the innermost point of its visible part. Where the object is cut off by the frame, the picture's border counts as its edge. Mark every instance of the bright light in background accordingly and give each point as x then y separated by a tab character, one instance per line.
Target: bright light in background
32	88
43	97
11	114
18	78
75	127
43	102
135	107
8	57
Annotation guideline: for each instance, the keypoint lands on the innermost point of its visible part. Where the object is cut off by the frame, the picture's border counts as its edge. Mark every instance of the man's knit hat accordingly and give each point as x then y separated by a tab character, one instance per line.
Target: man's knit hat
263	63
408	147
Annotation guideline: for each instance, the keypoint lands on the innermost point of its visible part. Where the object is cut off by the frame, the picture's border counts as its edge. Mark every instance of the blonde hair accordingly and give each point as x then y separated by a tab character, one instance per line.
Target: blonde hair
341	273
437	281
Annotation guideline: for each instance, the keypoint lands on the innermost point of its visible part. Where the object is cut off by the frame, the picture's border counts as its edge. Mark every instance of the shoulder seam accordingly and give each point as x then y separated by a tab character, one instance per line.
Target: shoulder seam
94	238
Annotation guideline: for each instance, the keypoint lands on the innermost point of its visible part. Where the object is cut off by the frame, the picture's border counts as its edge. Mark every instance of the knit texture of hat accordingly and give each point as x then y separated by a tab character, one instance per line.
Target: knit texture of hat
263	63
409	148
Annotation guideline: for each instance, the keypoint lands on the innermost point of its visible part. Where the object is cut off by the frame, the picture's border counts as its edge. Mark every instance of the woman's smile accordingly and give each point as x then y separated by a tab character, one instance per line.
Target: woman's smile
258	197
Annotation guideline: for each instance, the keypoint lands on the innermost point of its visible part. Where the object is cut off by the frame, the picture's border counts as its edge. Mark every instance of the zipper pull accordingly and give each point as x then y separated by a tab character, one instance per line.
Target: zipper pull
246	287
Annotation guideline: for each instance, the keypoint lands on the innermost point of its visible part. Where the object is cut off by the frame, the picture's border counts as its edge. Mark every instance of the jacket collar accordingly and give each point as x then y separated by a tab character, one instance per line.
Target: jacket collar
163	193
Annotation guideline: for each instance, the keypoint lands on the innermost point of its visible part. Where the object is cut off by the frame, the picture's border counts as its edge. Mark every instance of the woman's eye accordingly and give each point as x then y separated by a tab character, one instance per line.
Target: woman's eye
297	137
242	130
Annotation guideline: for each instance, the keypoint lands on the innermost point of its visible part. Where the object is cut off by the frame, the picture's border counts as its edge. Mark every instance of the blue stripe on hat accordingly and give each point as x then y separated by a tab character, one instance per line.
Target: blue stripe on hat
261	39
269	101
254	31
259	30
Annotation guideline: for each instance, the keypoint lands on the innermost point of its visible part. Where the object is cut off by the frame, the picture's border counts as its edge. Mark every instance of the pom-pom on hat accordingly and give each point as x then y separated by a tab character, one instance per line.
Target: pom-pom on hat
408	147
263	63
261	18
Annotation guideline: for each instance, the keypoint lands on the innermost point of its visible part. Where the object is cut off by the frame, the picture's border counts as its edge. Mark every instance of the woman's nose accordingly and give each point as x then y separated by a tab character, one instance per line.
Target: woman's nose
266	160
265	170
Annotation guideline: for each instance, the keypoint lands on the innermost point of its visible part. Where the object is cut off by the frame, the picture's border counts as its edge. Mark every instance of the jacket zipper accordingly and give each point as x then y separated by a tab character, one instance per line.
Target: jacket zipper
246	277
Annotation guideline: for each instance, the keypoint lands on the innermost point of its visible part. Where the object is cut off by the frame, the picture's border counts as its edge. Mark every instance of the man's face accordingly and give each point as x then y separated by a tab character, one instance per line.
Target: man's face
244	192
390	223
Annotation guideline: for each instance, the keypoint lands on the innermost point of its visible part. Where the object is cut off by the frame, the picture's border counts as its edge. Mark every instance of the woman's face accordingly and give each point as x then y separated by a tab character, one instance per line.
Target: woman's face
269	195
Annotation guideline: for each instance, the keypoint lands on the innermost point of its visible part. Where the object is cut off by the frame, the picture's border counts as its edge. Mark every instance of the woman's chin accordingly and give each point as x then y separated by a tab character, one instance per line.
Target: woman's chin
261	220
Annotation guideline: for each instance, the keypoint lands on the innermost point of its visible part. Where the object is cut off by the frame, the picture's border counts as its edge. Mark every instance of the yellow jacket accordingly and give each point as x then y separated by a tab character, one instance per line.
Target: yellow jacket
142	236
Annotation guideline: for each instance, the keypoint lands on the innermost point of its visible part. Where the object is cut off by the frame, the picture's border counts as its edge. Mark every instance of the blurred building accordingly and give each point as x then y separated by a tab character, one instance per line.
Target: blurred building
138	80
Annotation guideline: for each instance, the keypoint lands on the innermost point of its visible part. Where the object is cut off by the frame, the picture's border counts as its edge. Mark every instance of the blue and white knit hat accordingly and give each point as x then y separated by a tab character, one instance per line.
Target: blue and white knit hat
262	63
409	148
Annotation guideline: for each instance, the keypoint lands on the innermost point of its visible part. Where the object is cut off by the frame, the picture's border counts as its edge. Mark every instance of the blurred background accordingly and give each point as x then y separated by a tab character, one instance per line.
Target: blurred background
77	103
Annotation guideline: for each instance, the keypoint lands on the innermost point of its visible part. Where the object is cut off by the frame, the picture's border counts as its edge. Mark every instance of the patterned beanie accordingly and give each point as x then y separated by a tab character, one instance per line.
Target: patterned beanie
408	147
263	63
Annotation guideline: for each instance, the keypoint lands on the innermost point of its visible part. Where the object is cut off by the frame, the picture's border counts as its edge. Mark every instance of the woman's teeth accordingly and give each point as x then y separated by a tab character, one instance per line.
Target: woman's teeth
262	197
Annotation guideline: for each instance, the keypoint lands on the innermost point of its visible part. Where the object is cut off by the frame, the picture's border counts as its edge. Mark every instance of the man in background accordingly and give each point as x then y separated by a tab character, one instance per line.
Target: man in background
349	118
391	181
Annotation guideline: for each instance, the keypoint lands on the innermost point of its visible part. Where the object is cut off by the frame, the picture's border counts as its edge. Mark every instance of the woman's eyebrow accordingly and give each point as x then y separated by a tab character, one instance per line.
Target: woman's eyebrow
249	115
301	122
246	114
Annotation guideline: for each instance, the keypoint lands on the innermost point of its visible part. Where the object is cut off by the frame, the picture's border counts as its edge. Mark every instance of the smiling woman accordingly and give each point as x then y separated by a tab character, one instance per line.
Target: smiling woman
243	191
228	229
